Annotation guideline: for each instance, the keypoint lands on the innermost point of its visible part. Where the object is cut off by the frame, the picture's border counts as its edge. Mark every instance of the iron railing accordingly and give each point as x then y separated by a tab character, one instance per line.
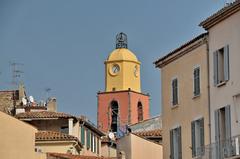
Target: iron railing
222	149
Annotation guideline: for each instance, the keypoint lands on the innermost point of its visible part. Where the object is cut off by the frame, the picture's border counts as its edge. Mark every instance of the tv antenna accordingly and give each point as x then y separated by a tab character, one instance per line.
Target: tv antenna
47	90
16	73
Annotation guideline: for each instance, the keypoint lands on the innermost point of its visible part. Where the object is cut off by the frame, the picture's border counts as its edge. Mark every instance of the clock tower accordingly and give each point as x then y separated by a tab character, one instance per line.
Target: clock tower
122	102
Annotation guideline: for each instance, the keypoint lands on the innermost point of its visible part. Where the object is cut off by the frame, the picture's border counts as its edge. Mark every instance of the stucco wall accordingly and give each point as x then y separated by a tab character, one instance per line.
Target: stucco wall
127	102
138	148
189	108
58	147
226	32
17	138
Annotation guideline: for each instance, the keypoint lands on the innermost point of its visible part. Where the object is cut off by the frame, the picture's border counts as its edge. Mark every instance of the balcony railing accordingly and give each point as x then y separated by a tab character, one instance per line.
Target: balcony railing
226	149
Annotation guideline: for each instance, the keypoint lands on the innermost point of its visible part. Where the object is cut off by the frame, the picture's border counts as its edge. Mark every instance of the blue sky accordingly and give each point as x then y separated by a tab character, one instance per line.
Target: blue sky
63	43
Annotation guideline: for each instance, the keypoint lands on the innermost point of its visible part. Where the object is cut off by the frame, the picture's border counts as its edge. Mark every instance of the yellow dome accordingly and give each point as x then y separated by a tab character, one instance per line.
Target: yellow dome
122	54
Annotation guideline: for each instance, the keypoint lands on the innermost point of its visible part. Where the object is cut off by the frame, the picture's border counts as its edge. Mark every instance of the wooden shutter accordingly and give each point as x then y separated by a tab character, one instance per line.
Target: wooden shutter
196	81
217	131
82	135
88	139
228	122
97	145
202	135
171	145
193	139
215	67
175	91
179	143
226	63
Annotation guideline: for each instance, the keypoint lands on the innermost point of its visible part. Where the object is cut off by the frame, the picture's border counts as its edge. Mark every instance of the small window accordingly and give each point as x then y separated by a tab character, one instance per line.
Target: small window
197	137
196	81
114	115
140	111
175	91
221	65
175	143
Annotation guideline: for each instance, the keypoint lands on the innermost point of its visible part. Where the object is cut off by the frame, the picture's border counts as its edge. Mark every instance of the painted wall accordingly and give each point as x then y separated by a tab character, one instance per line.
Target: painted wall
17	138
108	150
127	102
189	108
226	32
138	148
59	147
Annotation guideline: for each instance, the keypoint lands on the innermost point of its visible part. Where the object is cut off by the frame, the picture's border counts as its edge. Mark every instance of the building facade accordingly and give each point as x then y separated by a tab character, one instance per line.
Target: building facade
224	77
122	103
185	103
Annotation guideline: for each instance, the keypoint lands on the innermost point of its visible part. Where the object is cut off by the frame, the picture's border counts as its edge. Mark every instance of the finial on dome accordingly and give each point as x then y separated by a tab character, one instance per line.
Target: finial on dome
121	41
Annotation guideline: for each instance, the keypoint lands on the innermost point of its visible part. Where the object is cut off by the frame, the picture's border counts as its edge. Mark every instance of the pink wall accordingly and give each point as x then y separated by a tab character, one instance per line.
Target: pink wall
124	99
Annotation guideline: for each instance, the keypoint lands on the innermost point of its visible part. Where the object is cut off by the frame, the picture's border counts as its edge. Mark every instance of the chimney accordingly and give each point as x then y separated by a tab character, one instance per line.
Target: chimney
52	104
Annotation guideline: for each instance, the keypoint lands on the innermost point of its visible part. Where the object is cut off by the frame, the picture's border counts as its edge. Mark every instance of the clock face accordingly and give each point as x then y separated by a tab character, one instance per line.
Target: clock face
136	71
114	70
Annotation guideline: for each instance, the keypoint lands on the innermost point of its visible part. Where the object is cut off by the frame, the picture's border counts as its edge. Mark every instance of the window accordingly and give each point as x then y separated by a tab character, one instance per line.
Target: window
140	111
174	91
223	131
196	81
197	137
221	65
175	143
82	135
97	145
114	109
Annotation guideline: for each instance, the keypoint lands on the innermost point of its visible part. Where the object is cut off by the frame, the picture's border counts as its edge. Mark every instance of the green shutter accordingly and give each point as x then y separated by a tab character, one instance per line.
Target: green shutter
196	81
97	145
193	139
88	139
82	135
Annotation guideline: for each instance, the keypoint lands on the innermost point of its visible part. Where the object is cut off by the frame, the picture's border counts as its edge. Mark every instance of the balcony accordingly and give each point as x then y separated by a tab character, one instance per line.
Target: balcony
226	149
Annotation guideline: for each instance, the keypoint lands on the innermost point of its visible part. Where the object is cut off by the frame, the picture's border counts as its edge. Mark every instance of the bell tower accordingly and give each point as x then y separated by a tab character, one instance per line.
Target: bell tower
122	103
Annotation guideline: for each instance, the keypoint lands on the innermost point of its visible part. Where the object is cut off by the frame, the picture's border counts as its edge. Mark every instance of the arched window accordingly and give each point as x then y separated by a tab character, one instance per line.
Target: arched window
140	111
114	113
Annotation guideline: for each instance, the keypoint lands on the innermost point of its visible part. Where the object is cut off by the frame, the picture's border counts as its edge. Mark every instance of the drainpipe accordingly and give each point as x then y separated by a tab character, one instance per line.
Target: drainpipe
209	103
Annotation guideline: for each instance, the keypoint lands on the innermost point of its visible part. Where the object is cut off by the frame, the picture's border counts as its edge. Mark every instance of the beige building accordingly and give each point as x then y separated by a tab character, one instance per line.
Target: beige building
136	147
224	77
17	139
185	117
50	141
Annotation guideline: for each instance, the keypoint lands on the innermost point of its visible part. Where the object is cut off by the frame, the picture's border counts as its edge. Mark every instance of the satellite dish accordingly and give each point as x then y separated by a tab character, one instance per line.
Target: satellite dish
111	135
24	101
31	99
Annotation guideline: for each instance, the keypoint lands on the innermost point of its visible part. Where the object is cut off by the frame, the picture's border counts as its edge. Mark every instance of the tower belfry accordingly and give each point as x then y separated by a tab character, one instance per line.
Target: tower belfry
122	103
121	41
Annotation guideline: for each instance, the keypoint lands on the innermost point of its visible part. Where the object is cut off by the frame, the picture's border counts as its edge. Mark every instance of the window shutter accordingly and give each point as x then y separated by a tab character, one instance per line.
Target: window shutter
179	143
202	136
88	139
82	135
215	67
175	91
97	145
193	139
226	63
217	134
171	145
228	121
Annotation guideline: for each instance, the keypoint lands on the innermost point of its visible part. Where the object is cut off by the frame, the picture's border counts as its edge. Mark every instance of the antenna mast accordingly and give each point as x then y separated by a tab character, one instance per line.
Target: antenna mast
16	73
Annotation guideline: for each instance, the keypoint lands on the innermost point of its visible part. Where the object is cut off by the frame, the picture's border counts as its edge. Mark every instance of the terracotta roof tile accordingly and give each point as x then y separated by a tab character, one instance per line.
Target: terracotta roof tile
43	114
221	14
150	133
70	156
53	136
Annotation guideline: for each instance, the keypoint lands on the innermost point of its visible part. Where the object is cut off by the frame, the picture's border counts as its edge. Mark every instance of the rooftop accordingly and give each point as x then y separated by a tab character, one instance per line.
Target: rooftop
180	51
150	133
221	14
44	115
